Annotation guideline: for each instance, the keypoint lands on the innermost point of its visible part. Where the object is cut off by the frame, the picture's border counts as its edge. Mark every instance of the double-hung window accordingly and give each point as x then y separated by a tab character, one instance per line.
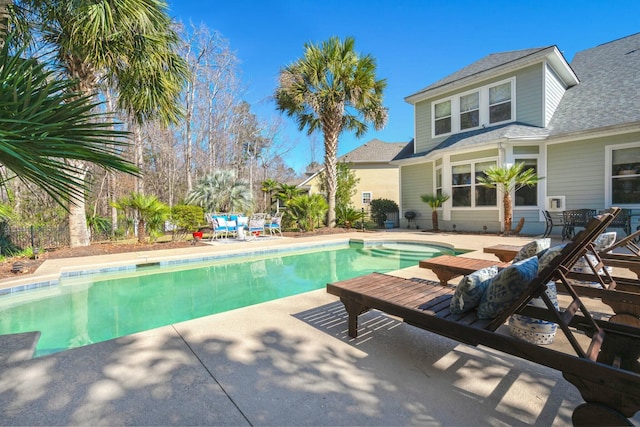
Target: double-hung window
625	176
470	111
442	116
487	105
500	103
366	197
466	189
439	181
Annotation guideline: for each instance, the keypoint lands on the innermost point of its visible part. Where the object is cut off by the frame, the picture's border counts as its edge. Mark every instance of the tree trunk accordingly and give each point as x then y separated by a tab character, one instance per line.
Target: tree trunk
434	219
331	129
78	231
508	212
139	155
142	235
112	198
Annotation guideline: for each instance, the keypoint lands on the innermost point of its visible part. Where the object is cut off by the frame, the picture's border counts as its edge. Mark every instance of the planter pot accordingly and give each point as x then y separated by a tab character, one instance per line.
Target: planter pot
197	235
389	224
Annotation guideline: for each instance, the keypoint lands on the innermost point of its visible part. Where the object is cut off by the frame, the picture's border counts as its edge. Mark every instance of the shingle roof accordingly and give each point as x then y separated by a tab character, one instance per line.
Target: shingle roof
373	151
484	136
608	91
487	63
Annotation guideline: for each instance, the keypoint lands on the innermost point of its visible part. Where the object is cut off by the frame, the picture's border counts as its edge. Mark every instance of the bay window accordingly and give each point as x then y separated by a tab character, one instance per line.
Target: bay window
625	176
528	195
466	191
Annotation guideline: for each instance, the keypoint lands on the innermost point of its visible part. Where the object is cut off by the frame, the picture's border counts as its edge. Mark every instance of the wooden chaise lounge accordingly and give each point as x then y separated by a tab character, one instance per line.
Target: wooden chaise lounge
506	253
606	373
446	267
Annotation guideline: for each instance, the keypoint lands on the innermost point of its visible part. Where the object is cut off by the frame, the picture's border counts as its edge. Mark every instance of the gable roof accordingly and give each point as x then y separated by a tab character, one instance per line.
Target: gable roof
608	91
495	64
374	151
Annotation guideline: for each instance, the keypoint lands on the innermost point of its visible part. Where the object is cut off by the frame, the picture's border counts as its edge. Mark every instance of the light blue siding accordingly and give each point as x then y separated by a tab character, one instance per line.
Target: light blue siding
529	104
416	180
576	170
529	83
554	90
473	220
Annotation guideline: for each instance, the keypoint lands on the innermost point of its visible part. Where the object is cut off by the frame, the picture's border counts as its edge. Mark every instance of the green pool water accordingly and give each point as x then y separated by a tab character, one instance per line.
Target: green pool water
96	308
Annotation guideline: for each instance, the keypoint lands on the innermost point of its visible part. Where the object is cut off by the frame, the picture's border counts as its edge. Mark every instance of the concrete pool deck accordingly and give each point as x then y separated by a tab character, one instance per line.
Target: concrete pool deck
284	362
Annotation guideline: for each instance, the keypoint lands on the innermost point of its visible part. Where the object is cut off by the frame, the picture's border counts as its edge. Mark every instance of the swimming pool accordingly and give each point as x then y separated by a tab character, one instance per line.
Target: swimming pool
93	308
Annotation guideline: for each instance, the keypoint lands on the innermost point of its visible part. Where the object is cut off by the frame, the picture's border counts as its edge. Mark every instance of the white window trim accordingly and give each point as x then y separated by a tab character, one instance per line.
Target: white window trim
540	193
473	184
484	108
608	157
370	193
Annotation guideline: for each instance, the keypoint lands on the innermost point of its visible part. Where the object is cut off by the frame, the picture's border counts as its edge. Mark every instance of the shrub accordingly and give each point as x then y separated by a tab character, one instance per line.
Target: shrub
380	208
347	217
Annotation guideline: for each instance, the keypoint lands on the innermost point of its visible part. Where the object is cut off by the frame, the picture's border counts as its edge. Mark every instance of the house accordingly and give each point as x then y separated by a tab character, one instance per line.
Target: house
577	125
371	162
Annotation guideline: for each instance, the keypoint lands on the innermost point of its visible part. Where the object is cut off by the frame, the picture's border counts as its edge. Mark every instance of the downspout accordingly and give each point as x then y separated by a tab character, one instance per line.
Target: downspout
502	157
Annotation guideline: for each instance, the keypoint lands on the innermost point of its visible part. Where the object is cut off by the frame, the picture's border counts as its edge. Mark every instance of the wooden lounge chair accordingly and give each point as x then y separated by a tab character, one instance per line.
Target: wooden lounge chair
606	372
446	267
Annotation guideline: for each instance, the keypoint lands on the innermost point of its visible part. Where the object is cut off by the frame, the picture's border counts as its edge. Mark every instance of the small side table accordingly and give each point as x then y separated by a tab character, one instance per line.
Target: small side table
240	232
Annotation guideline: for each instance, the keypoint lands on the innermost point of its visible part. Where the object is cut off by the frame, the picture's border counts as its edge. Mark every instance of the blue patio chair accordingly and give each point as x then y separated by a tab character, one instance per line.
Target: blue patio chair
274	224
219	226
256	226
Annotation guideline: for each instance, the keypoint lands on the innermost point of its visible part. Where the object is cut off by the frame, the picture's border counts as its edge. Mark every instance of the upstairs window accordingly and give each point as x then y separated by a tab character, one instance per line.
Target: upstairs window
470	111
500	103
475	109
442	114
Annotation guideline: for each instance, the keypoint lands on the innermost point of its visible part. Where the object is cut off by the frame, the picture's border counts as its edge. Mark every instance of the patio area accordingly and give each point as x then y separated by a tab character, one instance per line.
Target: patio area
285	362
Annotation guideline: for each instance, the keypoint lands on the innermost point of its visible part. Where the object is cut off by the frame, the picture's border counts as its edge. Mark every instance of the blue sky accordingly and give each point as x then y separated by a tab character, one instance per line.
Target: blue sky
415	43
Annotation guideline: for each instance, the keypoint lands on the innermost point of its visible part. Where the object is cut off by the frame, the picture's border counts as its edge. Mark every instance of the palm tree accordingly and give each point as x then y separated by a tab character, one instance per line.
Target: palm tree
129	44
268	187
56	124
222	191
508	179
149	211
308	211
287	192
332	89
434	202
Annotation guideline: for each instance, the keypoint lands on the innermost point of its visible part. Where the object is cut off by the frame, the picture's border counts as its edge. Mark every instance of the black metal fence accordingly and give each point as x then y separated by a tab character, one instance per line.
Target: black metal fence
14	238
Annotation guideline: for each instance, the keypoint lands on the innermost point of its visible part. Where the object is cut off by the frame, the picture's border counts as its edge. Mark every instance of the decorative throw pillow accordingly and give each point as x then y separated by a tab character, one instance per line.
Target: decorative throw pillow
470	290
506	287
532	248
220	221
545	257
604	240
